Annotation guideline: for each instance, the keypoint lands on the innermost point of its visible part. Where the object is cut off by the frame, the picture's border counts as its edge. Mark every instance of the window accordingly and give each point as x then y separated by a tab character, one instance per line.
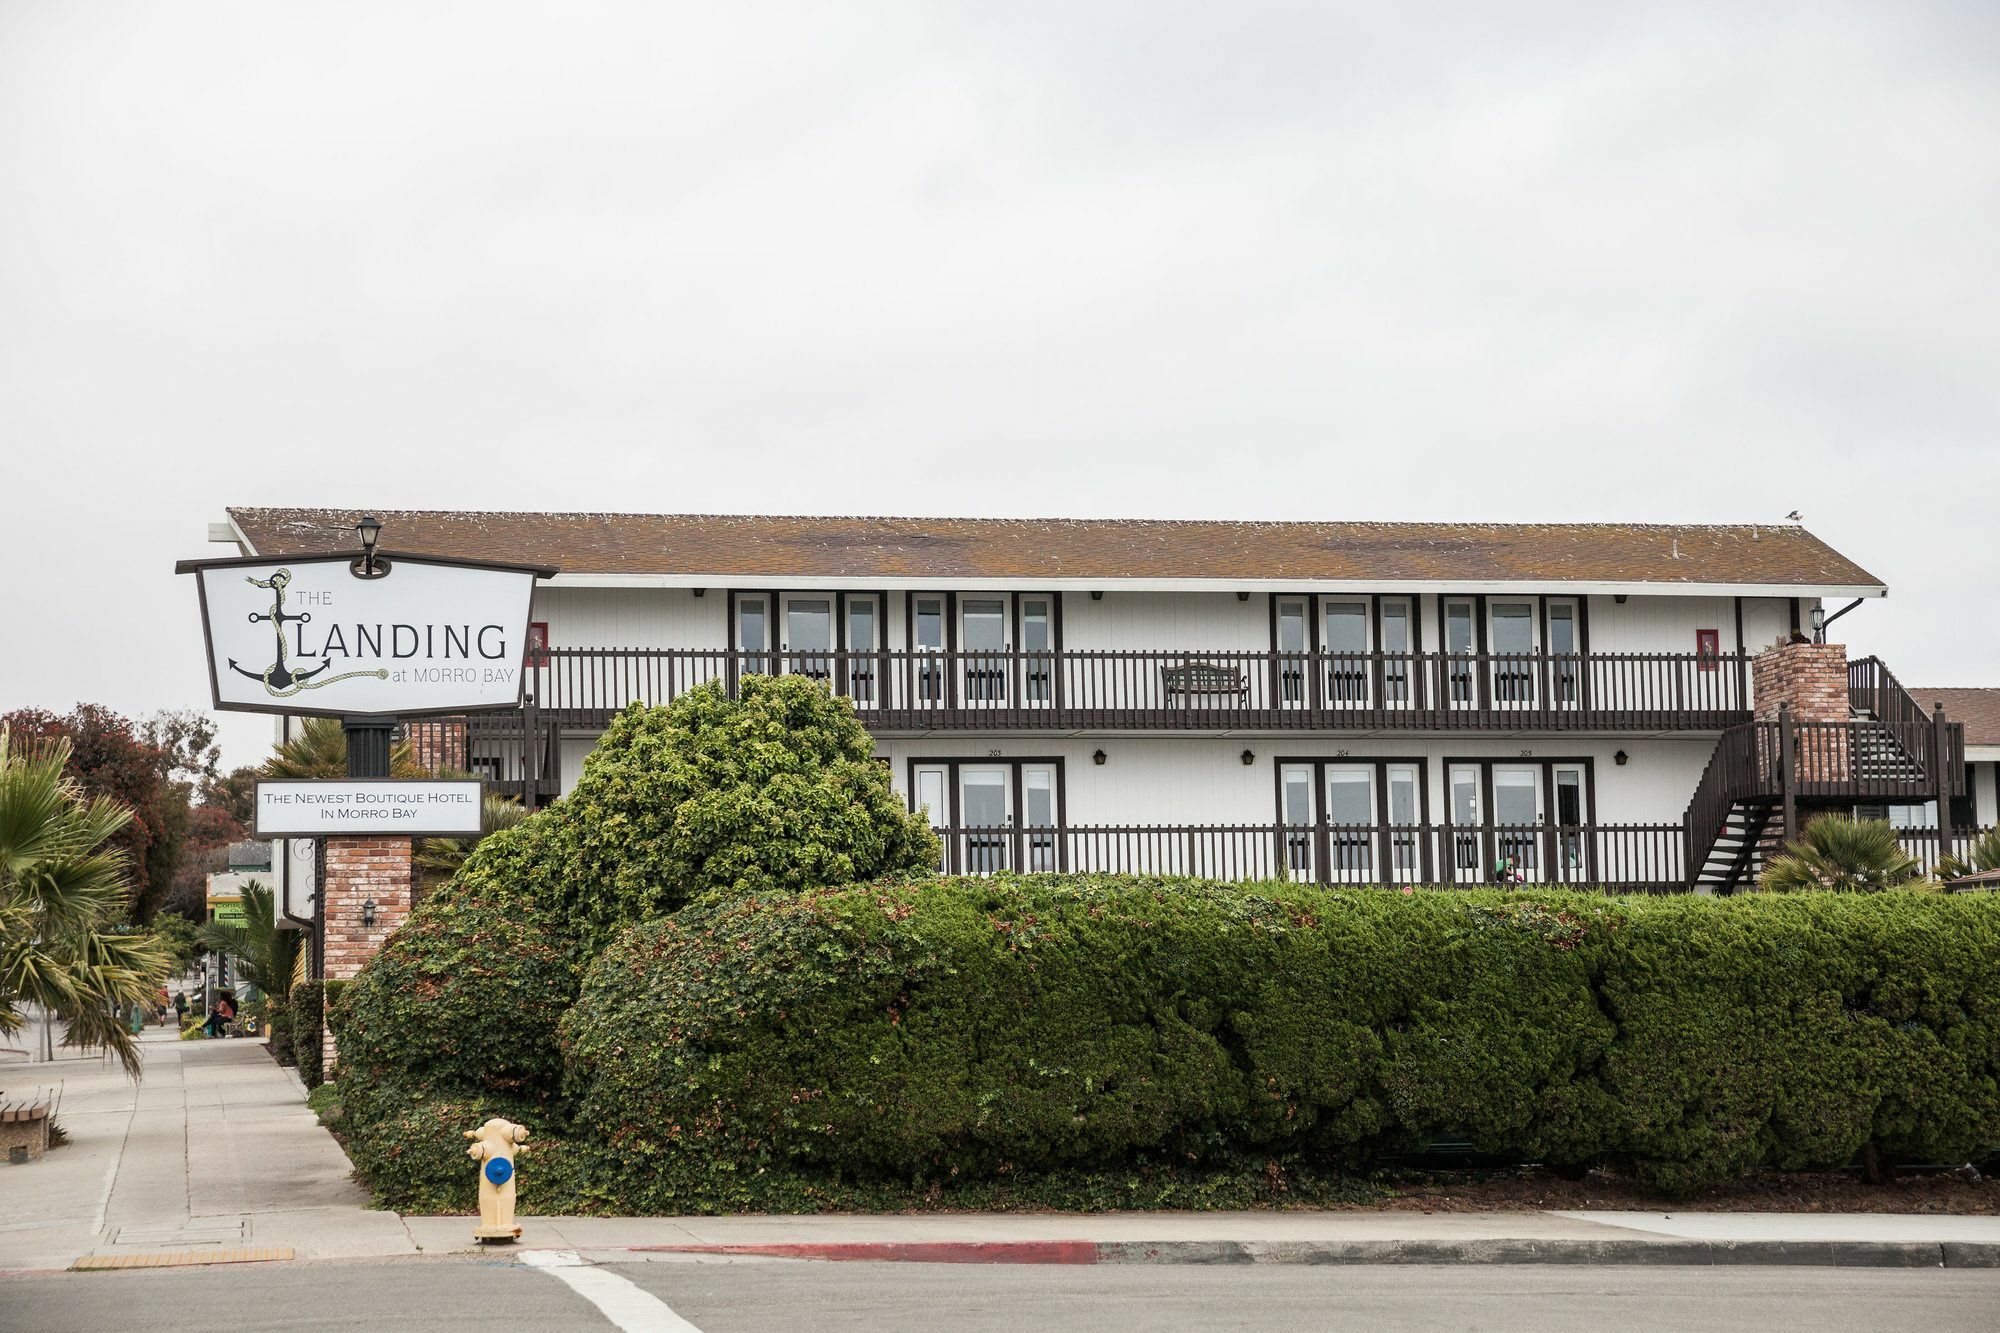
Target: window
927	628
1395	648
1037	647
860	667
995	814
538	643
1347	652
1708	649
1290	629
985	642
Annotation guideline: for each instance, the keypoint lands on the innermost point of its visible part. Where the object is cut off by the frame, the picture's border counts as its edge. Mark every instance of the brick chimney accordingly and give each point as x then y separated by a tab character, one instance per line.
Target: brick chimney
1811	677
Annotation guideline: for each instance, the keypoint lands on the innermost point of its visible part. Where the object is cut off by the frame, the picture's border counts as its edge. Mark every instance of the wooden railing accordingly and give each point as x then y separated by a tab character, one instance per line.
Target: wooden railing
1182	689
1638	857
1930	846
1821	761
1874	690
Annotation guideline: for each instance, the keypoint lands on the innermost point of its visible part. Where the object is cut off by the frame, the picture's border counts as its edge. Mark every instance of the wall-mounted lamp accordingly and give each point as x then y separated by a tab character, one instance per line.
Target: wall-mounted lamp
1619	598
1621	759
1242	596
369	529
1097	757
701	592
1097	596
1249	758
368	912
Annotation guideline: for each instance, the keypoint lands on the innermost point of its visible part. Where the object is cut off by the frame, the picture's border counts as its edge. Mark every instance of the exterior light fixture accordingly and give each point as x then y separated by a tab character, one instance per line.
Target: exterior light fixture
1242	596
1097	595
368	912
1097	757
701	592
1249	758
1619	598
1819	624
1621	759
369	529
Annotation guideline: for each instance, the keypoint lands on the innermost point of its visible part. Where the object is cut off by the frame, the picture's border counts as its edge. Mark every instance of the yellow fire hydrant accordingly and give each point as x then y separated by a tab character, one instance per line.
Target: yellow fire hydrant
493	1146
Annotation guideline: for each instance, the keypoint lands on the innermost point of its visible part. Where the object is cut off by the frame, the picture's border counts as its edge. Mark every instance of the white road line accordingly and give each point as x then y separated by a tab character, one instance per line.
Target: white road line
626	1305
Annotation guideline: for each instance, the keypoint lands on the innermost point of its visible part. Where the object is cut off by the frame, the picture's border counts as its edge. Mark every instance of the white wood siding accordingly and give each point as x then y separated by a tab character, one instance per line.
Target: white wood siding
1141	621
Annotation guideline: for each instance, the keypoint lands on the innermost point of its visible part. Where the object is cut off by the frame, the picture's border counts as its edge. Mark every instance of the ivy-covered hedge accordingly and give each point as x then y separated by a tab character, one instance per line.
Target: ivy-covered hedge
974	1031
773	791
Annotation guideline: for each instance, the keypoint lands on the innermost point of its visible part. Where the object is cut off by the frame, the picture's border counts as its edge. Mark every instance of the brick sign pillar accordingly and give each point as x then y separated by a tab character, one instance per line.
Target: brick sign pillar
358	871
361	870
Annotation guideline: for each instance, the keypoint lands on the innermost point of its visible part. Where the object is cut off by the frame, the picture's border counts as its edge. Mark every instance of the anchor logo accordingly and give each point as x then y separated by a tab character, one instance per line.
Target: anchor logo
279	678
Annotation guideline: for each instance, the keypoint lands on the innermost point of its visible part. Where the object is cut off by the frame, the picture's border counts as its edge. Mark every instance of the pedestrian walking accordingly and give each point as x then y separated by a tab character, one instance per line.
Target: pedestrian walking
180	1008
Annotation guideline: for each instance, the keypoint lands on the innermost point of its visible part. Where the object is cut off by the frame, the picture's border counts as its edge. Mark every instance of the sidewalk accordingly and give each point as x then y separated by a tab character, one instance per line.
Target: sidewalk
213	1149
214	1154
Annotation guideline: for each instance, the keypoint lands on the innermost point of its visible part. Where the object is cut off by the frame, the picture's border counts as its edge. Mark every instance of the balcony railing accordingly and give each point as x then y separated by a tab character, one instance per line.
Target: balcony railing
1929	846
1183	690
1635	857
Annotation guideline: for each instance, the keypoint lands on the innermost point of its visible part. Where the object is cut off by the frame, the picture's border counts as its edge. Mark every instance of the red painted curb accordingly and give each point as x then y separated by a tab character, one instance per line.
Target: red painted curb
910	1252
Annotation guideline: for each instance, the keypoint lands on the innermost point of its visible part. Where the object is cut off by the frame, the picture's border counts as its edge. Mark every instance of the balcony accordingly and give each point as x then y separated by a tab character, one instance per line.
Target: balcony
1184	690
1629	857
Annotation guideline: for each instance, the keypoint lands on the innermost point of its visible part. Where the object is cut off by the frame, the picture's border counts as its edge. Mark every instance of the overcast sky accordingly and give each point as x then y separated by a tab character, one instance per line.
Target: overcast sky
1580	261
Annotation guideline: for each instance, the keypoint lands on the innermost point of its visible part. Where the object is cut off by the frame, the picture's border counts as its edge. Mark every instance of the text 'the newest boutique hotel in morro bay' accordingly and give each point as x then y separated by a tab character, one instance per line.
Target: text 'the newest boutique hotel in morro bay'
1636	706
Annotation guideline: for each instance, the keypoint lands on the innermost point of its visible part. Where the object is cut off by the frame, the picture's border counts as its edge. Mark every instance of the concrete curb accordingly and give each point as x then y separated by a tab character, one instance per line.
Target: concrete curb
1609	1251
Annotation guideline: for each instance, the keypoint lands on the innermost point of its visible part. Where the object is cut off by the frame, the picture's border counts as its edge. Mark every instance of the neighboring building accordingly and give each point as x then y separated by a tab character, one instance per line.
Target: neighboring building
1347	702
1978	710
249	863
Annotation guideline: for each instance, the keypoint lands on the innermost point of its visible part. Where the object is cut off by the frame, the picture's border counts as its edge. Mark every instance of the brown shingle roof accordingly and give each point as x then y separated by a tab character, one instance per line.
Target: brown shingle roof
1978	708
771	546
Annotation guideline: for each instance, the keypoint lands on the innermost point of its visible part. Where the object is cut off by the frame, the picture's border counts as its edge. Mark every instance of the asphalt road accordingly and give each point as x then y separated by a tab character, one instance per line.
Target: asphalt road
798	1297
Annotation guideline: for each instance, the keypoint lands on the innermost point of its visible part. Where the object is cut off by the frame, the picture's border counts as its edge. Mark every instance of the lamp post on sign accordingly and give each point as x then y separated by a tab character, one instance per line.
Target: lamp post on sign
369	638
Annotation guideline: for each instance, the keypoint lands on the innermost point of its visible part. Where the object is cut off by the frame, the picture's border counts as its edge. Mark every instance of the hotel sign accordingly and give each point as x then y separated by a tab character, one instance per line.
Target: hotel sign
312	635
422	807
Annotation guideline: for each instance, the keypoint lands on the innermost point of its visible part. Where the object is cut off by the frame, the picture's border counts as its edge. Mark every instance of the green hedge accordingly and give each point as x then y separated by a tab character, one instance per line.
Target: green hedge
308	1005
978	1031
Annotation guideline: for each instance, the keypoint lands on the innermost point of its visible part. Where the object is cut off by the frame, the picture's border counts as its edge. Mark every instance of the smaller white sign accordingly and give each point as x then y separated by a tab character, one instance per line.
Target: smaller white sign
331	808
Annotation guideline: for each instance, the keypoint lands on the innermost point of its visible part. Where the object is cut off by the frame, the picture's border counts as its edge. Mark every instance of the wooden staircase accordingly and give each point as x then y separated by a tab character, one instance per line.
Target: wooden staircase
1763	775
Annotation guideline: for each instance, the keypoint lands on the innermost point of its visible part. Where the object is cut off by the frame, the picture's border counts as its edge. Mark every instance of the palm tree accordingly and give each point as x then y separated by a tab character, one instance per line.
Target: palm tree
63	895
1842	855
320	751
265	955
1984	854
438	859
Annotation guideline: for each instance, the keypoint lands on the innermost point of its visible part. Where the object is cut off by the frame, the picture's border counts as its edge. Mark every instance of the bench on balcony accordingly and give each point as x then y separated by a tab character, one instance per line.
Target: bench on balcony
1212	680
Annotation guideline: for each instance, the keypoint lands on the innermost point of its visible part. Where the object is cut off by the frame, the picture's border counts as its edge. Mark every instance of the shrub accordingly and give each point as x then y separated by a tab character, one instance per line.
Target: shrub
465	997
1839	854
982	1031
308	1001
777	789
278	1017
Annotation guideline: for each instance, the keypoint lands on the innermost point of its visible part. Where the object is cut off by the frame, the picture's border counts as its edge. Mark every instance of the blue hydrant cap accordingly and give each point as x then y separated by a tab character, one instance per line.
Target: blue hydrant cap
499	1171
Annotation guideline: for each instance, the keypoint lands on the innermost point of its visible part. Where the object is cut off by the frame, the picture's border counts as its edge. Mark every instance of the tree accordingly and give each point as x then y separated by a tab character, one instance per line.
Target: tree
320	751
204	849
179	940
265	955
438	859
184	741
235	793
63	891
1842	855
107	756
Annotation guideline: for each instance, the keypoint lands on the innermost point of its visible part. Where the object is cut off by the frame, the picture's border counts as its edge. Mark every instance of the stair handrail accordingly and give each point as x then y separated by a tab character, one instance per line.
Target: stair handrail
1873	688
1742	765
